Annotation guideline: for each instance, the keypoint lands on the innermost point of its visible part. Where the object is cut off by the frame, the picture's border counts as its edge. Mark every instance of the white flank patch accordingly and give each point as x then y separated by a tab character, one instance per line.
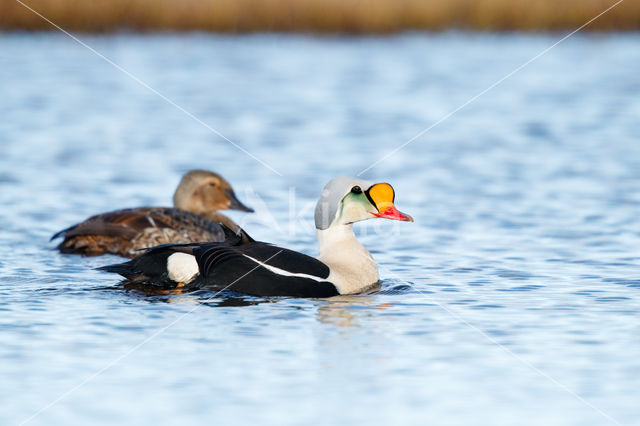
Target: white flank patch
285	272
182	267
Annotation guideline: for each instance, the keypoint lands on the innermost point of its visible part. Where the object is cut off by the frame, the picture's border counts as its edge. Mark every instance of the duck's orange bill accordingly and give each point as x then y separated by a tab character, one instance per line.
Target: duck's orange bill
383	195
394	214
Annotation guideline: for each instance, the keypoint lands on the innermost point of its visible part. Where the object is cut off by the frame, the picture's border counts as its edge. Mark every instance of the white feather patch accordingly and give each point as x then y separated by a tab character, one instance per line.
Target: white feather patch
182	267
284	272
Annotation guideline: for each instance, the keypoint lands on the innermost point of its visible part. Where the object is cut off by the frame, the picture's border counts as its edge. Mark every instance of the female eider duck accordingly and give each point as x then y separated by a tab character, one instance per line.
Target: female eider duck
241	264
125	232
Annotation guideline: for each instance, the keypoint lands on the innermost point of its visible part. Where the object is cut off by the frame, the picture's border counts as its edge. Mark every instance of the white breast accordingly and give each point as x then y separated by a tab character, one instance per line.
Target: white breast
352	266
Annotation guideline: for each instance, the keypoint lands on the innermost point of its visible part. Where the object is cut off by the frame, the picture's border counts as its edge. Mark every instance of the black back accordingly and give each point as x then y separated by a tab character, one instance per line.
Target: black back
235	267
237	264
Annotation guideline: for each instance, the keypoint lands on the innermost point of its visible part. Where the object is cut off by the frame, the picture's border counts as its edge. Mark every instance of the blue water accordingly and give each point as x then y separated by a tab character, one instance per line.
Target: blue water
514	298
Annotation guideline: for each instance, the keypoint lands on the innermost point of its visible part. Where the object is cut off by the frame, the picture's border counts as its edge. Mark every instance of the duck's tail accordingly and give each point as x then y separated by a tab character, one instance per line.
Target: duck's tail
123	269
129	270
62	233
151	265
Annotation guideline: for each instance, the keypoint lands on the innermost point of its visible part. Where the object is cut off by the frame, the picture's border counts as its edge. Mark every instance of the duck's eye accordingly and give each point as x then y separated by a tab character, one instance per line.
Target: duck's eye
356	190
213	184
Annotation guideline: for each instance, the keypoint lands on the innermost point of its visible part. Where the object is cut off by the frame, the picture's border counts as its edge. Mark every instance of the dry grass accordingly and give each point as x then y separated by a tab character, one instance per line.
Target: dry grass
321	16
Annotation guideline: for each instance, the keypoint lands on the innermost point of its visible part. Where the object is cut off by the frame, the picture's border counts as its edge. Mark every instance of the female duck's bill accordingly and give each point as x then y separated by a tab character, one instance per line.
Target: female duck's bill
125	232
241	264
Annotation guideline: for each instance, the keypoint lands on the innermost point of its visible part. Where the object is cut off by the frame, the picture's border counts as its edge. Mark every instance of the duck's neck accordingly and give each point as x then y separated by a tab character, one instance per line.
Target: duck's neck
183	199
352	268
216	217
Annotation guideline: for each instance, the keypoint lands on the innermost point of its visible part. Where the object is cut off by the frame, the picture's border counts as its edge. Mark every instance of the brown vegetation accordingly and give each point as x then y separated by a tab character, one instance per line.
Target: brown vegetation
321	16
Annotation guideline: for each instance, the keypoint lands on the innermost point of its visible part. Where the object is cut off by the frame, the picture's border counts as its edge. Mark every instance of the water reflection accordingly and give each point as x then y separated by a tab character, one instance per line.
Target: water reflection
213	299
343	310
339	310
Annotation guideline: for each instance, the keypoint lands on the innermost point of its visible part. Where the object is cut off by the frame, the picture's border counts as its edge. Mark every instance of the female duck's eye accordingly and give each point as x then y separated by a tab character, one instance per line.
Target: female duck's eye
356	189
212	184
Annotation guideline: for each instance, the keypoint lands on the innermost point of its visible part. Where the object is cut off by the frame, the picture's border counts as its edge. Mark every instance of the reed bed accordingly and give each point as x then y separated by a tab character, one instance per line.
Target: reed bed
318	16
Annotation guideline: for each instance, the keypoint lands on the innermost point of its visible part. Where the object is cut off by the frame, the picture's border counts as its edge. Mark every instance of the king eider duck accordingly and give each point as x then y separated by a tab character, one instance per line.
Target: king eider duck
125	232
244	265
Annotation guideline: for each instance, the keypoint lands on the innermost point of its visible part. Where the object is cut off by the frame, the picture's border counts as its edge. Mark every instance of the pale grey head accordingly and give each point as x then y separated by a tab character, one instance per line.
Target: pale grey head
346	199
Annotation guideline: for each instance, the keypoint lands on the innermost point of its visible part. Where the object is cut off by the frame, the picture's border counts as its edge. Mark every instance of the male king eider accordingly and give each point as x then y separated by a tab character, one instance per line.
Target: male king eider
241	264
194	217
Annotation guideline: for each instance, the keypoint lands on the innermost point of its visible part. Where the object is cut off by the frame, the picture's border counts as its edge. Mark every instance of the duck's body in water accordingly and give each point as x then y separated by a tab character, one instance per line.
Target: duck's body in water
241	264
125	232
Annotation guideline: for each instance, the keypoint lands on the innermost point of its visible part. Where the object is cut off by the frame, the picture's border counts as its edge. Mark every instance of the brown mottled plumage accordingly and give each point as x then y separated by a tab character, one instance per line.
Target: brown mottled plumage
193	219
